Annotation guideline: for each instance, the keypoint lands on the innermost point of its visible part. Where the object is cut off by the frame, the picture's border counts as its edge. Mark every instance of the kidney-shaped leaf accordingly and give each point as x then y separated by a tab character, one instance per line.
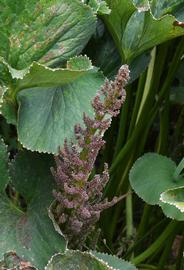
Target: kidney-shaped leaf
47	114
48	31
30	232
153	174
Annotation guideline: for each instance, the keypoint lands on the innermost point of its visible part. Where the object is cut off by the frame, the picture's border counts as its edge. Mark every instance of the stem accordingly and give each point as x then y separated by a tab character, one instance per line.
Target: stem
171	73
112	225
178	128
127	147
123	120
129	215
148	82
147	267
137	102
179	169
144	221
115	37
166	252
180	259
164	128
146	118
145	236
157	244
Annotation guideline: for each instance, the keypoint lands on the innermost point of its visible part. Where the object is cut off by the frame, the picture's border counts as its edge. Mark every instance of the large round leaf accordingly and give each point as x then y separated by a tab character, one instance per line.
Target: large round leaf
48	31
47	114
153	174
30	232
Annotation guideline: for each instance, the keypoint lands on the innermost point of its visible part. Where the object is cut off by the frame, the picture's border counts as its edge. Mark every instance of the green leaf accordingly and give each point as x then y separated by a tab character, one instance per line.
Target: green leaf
151	175
114	261
6	106
42	76
30	232
146	31
8	109
4	172
47	114
99	7
174	197
76	260
79	63
160	8
7	81
105	55
46	31
2	92
142	5
139	65
171	211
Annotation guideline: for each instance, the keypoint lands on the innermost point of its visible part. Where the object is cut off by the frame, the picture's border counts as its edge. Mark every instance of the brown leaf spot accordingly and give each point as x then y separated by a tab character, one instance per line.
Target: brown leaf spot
177	23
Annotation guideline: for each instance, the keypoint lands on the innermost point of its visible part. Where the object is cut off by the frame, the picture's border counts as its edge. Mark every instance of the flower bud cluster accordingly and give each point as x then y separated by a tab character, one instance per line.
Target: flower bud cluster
79	200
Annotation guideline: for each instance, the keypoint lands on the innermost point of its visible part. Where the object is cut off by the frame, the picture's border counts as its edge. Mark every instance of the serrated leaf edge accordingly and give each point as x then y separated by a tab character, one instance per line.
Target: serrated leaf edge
23	72
2	97
56	226
171	203
142	9
82	253
38	150
79	57
112	255
98	8
148	9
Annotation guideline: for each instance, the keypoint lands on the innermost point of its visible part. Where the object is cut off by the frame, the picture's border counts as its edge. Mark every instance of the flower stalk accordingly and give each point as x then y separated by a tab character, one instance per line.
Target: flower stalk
78	200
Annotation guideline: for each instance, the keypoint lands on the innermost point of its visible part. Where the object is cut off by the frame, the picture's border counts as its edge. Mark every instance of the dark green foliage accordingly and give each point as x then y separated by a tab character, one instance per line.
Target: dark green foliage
47	82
